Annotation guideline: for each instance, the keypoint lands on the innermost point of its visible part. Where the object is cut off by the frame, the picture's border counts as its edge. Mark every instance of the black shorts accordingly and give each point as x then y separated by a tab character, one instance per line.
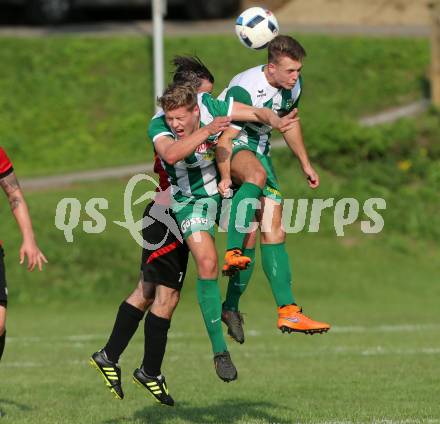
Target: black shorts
3	288
165	259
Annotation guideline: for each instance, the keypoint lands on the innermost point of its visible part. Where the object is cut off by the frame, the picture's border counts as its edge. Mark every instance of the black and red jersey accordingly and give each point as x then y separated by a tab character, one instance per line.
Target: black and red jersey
5	164
164	181
5	167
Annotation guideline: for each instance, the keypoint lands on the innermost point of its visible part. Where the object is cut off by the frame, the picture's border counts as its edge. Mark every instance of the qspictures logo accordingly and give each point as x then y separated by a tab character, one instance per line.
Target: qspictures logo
201	214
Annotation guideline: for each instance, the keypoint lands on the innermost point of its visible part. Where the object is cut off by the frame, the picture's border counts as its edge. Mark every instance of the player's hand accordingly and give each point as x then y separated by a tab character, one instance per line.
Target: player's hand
35	257
312	176
219	124
287	122
224	188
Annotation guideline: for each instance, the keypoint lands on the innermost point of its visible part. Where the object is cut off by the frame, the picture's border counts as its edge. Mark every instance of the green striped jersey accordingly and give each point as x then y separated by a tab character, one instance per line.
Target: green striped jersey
196	175
252	88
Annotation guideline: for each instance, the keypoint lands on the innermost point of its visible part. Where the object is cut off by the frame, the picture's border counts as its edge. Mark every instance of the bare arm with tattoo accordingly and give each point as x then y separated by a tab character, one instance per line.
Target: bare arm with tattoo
29	248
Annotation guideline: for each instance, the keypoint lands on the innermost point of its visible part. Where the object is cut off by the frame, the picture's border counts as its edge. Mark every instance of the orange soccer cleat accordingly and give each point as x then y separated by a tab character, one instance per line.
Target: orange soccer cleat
291	319
234	261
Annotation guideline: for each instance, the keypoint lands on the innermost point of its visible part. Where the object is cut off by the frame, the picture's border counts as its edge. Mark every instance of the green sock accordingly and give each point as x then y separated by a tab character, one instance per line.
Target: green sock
246	191
238	283
208	294
277	269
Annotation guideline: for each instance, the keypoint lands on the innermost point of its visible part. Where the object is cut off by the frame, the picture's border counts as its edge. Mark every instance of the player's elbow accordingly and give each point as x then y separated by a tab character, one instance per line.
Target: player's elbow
171	158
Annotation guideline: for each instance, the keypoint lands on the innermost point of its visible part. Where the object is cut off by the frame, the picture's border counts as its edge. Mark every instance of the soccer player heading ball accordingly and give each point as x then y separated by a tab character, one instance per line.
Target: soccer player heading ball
243	156
163	270
190	164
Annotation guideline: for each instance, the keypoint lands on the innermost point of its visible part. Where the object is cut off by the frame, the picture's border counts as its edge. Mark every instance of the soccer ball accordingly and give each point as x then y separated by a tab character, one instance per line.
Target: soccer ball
255	27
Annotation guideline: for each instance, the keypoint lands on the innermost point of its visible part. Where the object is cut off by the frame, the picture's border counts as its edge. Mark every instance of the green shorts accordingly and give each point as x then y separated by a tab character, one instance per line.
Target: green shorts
194	215
272	188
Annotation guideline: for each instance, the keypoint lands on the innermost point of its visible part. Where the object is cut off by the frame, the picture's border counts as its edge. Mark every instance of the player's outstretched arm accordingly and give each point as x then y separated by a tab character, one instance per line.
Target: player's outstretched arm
223	153
295	141
29	248
171	151
246	113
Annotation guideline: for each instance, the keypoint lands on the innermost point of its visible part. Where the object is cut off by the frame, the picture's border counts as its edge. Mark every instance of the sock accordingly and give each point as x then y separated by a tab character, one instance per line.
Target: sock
2	344
126	324
277	269
238	283
208	294
246	191
156	330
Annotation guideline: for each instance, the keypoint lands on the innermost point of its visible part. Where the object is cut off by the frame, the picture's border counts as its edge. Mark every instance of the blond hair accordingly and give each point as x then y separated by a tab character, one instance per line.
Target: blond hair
178	95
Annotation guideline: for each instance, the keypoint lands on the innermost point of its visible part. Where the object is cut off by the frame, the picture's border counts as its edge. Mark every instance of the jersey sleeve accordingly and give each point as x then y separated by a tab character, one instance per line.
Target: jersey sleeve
298	94
217	107
241	95
6	167
296	103
290	99
158	128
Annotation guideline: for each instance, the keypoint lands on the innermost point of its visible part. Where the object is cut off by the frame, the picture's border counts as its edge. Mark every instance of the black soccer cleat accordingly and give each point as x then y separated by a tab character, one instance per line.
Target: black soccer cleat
155	386
110	371
234	321
224	367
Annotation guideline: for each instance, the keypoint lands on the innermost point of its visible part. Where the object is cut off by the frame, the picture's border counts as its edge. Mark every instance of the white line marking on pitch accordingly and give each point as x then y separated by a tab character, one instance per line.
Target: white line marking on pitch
386	328
340	350
398	328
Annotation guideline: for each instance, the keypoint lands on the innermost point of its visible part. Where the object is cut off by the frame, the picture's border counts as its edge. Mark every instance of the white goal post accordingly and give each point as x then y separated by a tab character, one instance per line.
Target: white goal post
158	13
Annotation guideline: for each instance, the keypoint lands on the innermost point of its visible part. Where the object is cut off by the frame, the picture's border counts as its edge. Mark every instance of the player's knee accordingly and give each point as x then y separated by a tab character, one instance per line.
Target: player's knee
174	298
207	267
250	240
141	298
276	235
164	305
258	177
2	329
168	297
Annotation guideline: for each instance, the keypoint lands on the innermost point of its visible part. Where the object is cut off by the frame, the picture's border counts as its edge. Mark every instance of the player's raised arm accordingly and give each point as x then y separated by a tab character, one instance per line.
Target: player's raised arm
223	154
171	151
29	248
294	140
177	132
245	113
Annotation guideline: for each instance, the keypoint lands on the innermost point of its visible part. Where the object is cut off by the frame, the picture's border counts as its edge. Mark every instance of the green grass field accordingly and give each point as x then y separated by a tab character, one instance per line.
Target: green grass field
380	362
87	104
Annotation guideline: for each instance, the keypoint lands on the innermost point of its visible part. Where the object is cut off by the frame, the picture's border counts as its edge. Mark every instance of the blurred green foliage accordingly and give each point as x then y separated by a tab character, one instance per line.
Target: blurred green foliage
71	103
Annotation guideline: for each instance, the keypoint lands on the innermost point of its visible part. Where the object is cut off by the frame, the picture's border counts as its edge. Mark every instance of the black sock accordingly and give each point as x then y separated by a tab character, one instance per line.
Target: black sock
2	344
156	330
126	324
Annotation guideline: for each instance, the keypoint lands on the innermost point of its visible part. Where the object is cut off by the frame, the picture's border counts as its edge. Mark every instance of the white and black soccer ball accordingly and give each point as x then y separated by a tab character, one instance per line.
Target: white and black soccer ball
256	27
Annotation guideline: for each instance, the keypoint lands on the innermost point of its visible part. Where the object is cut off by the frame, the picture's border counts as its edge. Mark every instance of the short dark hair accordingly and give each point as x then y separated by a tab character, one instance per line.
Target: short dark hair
283	45
187	65
187	77
178	95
